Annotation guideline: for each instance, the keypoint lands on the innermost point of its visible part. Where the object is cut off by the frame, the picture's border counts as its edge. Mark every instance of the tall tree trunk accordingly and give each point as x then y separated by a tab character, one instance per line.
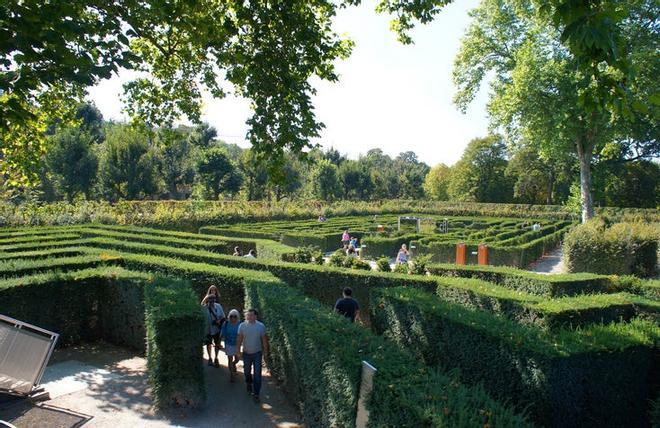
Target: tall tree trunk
250	188
550	188
585	153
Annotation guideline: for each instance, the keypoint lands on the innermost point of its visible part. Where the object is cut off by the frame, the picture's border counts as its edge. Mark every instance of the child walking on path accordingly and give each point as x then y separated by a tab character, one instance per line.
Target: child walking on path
229	333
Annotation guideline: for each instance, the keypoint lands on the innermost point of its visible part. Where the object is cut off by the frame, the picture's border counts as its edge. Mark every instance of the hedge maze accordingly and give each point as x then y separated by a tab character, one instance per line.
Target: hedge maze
512	242
461	346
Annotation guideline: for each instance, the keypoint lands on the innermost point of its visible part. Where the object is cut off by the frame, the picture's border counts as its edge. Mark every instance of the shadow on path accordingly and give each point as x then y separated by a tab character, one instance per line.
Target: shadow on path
111	385
550	263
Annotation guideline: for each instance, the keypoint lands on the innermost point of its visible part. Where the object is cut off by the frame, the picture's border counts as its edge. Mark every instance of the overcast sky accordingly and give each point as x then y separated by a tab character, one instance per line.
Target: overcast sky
389	96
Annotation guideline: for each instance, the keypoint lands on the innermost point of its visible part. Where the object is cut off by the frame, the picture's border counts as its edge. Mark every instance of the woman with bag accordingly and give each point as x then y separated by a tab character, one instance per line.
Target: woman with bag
215	317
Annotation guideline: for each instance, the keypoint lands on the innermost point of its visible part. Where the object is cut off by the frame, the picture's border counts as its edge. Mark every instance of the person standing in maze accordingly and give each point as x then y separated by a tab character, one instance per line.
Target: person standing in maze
348	306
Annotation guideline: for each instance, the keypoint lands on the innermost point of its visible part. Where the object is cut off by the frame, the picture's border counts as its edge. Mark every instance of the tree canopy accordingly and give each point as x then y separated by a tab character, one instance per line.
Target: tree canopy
267	51
539	87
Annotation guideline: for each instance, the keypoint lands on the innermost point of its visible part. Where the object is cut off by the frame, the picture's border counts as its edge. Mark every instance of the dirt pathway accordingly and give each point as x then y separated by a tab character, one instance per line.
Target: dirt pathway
110	385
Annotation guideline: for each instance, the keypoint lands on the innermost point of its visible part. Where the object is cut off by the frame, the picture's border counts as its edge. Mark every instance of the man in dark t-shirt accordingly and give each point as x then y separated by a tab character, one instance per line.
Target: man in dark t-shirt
348	306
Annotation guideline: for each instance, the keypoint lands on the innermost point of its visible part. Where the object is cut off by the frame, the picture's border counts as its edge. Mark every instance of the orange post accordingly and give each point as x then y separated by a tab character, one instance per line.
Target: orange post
482	254
461	253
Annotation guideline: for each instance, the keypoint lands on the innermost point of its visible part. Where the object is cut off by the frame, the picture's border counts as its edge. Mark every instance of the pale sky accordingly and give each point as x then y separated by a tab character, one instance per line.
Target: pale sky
389	96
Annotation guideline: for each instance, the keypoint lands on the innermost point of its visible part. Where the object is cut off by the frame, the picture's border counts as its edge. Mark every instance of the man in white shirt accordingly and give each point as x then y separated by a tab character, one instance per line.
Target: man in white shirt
253	339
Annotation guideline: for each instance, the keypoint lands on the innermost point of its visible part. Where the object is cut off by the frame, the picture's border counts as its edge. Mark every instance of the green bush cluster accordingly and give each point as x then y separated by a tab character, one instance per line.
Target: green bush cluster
175	328
340	259
621	248
419	265
191	215
318	354
577	376
383	264
307	254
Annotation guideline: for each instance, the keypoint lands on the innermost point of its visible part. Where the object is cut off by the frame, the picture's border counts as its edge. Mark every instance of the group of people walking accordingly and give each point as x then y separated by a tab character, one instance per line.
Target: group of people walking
245	340
248	340
350	244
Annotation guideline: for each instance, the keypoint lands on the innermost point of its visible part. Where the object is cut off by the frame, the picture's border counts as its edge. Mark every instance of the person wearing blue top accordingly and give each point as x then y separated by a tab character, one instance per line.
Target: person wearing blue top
229	333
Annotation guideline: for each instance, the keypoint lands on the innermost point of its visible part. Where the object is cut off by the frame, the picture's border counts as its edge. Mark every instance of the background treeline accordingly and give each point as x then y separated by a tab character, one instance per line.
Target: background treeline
101	160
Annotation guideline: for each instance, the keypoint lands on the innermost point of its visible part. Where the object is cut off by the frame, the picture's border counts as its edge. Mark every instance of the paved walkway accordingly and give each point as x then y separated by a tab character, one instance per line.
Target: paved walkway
109	384
551	263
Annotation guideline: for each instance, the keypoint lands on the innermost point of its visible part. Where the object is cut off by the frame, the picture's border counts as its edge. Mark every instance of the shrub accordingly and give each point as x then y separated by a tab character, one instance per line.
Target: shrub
622	248
577	376
417	265
383	264
401	268
175	328
317	356
355	263
302	255
337	259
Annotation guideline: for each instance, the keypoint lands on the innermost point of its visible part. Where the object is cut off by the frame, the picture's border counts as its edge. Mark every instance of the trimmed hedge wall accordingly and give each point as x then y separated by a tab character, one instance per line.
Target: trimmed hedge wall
229	232
377	246
19	267
622	249
190	215
542	285
599	376
266	249
90	304
317	355
472	293
175	328
476	294
230	282
517	255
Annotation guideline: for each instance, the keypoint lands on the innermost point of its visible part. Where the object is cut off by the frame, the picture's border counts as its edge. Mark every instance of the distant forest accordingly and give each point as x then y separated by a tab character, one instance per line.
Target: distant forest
103	160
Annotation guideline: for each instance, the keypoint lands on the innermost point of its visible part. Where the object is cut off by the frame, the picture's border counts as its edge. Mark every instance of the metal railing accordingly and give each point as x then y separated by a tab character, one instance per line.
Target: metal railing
24	353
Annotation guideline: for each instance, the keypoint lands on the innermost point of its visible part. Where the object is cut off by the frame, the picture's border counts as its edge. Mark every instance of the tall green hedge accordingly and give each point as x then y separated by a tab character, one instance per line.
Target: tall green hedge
89	304
190	215
511	297
317	355
602	375
175	328
516	279
520	255
622	248
377	246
